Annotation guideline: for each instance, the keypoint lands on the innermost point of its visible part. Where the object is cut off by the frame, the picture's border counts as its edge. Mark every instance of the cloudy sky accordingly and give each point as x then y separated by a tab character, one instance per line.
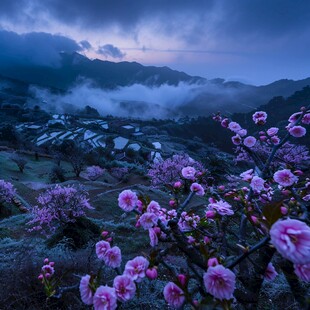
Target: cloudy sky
254	41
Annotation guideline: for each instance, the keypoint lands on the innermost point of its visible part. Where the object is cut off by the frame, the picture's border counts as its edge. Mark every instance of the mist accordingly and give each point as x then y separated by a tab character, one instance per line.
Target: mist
144	102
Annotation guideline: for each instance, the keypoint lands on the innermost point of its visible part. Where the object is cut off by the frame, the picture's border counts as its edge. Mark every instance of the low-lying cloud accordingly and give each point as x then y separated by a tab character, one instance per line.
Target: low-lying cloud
144	102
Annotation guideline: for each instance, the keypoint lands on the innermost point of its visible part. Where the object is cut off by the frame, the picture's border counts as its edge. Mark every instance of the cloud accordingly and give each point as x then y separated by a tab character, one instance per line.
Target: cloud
85	45
109	50
144	102
34	48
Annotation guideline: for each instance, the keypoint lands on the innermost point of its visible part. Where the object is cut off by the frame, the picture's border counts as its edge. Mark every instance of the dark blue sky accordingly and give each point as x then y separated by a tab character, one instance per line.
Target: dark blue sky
255	41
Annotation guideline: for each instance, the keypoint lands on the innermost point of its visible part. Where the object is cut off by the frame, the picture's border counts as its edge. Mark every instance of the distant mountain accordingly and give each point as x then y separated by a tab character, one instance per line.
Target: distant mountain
103	74
204	96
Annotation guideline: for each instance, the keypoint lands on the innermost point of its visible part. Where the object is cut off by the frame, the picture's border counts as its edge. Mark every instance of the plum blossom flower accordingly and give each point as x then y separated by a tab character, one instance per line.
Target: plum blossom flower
236	140
189	172
125	288
285	177
197	189
291	238
249	141
275	140
105	298
257	184
270	272
127	200
294	117
101	248
272	131
259	117
174	296
242	132
221	207
306	119
247	175
136	268
234	126
225	122
153	207
113	257
153	237
85	290
220	282
302	271
148	220
297	131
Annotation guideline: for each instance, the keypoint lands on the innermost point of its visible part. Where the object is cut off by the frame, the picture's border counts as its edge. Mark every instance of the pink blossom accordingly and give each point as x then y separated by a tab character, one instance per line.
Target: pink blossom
101	248
212	262
259	117
285	177
247	175
303	271
152	273
294	117
249	141
153	237
105	298
148	220
113	257
297	131
189	172
48	269
257	184
306	119
191	239
182	279
127	200
197	189
272	131
234	126
225	122
220	282
242	132
177	184
153	207
210	214
125	288
236	140
221	207
85	290
291	238
174	296
275	140
270	272
7	191
136	268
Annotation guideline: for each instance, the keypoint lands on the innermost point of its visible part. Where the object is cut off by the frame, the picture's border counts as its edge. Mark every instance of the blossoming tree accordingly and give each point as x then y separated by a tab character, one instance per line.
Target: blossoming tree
239	235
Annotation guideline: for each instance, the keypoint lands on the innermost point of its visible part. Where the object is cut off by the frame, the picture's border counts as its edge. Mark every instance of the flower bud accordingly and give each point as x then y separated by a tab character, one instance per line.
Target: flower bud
40	277
52	264
151	273
172	203
254	219
104	234
206	239
212	262
221	188
284	210
298	172
109	239
177	185
210	214
182	279
47	275
46	261
157	230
